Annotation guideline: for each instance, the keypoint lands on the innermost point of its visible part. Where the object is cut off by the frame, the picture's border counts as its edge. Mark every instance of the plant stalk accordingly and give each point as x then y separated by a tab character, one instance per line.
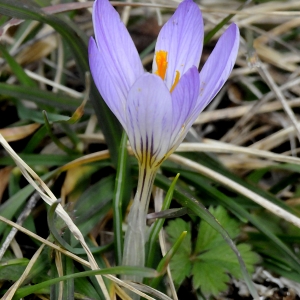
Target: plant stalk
137	234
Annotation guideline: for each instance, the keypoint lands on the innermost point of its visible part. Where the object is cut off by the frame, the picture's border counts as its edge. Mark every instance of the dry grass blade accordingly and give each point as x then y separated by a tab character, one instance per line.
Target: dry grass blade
273	86
73	228
54	84
86	159
274	139
73	256
235	112
219	147
149	290
10	293
46	242
276	210
49	198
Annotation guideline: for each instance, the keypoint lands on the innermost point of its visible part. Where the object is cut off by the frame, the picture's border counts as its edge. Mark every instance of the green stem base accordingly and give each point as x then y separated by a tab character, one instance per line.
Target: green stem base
136	235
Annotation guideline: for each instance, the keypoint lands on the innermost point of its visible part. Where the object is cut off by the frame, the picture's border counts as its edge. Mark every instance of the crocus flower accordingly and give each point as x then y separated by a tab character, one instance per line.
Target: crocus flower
157	109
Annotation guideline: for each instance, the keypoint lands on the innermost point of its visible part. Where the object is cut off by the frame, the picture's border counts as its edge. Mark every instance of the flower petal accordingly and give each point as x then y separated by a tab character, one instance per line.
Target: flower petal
218	66
112	93
149	119
182	38
184	99
119	58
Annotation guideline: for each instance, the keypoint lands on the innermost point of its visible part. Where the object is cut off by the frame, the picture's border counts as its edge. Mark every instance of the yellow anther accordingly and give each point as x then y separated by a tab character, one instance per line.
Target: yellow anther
162	64
175	81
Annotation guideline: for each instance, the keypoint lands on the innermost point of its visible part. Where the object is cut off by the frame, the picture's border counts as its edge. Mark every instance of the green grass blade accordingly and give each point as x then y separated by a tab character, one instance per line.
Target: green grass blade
69	288
121	181
159	224
42	159
35	140
17	69
219	26
144	272
163	264
42	97
57	142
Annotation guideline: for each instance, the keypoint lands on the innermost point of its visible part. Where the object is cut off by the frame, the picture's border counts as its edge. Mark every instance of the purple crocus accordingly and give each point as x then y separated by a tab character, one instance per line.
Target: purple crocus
156	109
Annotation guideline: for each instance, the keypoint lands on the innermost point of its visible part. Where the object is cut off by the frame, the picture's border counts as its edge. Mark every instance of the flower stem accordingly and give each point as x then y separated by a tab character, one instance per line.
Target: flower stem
136	235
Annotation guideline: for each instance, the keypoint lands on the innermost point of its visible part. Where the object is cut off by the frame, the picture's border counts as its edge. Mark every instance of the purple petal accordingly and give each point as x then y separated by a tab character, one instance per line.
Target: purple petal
112	93
218	66
182	38
184	98
149	119
119	58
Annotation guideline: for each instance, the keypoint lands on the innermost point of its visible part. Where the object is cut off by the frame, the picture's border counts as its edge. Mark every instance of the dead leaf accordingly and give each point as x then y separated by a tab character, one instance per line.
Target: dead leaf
17	133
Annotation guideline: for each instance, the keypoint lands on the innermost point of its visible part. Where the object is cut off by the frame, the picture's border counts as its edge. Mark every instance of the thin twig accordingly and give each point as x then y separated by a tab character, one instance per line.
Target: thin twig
22	217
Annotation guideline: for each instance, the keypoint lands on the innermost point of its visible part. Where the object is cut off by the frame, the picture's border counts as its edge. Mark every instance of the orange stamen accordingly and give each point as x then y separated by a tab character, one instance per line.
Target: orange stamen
175	81
162	64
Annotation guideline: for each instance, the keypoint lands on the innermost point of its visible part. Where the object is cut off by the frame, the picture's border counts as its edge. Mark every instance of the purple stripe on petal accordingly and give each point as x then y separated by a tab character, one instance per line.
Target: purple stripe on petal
149	119
116	47
110	90
184	98
182	38
218	66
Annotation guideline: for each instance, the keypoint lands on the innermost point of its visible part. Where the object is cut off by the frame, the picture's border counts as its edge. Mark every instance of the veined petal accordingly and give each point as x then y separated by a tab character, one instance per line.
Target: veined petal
149	119
184	98
112	93
182	38
118	54
218	66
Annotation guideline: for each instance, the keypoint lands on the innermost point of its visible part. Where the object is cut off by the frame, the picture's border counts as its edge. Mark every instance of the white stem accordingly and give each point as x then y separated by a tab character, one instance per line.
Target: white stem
136	233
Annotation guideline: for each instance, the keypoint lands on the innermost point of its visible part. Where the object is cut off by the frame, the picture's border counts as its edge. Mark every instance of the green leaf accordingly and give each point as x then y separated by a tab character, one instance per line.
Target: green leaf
183	197
208	238
11	268
210	277
216	259
180	264
211	269
235	205
175	229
